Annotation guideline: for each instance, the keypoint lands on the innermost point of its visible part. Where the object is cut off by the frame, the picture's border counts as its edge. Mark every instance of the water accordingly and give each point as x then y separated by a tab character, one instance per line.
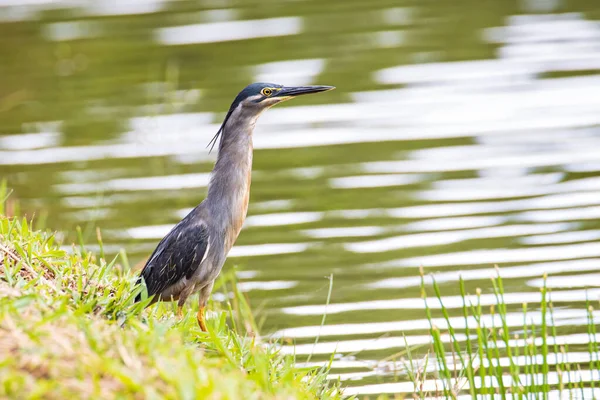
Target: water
460	136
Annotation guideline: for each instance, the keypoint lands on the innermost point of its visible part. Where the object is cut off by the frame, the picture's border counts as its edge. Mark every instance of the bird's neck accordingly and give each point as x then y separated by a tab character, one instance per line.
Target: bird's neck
229	187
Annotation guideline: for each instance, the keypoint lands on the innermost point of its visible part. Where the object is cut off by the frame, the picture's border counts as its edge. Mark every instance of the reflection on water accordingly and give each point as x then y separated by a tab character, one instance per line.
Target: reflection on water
561	318
456	140
449	302
230	30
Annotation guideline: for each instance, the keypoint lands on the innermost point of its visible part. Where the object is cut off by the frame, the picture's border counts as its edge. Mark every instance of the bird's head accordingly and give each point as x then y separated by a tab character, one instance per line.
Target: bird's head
257	97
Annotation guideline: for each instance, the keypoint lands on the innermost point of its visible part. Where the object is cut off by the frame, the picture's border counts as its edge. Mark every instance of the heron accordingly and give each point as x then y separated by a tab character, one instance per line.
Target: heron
190	257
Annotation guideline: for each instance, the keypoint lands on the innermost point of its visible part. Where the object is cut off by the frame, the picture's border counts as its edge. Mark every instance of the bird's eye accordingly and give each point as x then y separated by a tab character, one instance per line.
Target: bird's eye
266	92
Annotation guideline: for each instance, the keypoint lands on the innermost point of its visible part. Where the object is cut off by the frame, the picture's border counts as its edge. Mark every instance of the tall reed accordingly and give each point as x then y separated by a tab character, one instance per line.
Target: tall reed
494	357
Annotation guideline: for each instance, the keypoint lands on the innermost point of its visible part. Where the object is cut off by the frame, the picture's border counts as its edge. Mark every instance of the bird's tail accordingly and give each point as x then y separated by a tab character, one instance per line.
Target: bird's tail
138	298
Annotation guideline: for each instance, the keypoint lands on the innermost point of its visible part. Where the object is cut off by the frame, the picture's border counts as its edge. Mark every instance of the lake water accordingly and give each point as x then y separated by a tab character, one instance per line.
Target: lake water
461	135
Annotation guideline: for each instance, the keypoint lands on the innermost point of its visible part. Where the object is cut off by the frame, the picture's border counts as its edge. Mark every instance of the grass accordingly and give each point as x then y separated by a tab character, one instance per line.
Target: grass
497	357
69	329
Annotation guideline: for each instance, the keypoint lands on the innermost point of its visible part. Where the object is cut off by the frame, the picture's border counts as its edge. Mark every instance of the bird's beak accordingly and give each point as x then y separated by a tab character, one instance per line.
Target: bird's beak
289	92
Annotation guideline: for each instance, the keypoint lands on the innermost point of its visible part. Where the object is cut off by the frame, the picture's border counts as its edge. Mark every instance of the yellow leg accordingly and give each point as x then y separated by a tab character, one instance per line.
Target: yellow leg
180	311
201	321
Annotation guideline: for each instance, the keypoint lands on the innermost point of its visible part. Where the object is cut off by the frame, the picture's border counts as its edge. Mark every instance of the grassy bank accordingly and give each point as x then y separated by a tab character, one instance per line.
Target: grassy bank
68	329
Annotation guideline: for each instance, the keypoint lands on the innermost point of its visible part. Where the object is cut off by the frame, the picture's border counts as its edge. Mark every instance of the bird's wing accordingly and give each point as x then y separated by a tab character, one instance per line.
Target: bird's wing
178	255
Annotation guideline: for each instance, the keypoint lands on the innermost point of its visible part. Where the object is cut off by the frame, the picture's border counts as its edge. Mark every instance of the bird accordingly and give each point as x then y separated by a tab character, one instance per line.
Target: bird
190	257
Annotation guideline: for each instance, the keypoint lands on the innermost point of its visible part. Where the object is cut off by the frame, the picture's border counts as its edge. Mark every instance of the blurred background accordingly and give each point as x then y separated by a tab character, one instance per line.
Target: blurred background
462	134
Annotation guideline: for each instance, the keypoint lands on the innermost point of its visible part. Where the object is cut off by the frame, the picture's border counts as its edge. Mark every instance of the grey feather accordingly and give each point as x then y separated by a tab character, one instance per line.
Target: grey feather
178	255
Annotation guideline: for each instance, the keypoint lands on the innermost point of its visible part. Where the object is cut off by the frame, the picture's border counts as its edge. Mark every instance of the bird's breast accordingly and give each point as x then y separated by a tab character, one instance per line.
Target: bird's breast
229	189
240	208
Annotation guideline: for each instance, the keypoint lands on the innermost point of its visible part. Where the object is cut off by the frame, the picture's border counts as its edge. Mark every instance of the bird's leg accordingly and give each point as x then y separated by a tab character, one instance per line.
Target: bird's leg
180	303
183	296
202	300
201	320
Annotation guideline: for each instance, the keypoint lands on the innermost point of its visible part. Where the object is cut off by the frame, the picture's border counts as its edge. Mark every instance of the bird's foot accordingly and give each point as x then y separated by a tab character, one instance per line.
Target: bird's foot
201	320
180	312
